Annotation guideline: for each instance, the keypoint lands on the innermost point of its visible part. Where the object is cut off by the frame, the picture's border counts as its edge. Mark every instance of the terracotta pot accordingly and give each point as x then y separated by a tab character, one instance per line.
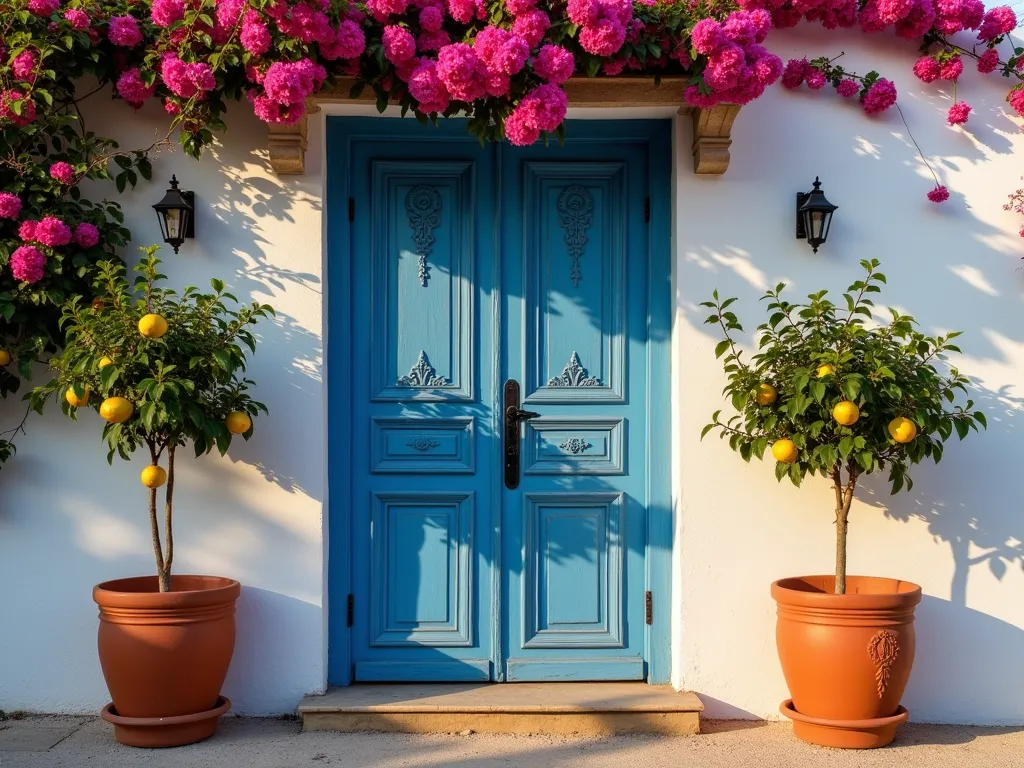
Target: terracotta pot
165	655
846	658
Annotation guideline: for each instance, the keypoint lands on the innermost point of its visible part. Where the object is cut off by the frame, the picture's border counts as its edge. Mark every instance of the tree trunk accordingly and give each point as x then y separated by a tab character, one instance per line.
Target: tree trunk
844	498
163	574
168	515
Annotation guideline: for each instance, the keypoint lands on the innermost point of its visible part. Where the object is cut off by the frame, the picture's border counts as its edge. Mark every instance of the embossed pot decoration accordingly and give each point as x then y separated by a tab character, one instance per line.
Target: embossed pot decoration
846	658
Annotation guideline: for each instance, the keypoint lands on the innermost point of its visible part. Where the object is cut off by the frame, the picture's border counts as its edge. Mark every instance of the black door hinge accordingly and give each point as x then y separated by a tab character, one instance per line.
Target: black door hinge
647	210
351	209
648	607
352	609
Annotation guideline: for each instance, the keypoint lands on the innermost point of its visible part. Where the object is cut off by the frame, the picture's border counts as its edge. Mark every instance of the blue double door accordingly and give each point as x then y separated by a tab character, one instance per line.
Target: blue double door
467	267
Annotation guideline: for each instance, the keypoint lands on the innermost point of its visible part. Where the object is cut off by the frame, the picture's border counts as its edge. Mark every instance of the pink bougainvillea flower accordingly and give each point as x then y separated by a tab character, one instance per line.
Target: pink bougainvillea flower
463	11
519	7
24	65
952	69
762	21
10	205
542	109
891	11
554	64
349	42
794	74
998	21
972	13
501	51
532	26
459	70
28	264
43	8
186	80
939	195
165	12
958	113
399	44
27	231
77	18
255	36
815	79
583	12
870	20
431	18
426	87
613	67
63	172
1016	99
28	107
988	61
739	28
927	69
707	35
131	88
290	82
848	88
124	31
270	111
382	9
52	232
604	38
86	235
879	97
432	41
918	22
229	12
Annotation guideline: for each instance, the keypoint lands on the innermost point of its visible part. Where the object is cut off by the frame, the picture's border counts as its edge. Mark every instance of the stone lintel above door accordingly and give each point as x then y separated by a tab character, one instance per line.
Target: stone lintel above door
712	127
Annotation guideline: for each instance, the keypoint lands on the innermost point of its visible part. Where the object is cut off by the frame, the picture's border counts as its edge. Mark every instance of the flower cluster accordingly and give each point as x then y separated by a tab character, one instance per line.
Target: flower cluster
1016	204
876	93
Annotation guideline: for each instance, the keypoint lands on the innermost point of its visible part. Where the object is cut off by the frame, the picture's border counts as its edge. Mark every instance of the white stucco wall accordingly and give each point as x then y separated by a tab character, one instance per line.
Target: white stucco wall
67	520
956	266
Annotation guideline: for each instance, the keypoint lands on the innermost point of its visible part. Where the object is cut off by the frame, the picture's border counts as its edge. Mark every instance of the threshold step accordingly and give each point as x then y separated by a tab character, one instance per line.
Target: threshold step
553	709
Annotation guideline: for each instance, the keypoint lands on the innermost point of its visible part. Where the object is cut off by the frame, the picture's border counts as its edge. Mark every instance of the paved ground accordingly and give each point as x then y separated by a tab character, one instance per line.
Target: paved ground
68	742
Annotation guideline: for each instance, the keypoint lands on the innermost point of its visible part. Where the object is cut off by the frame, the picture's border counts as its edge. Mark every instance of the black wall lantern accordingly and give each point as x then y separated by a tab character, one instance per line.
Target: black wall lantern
176	213
813	216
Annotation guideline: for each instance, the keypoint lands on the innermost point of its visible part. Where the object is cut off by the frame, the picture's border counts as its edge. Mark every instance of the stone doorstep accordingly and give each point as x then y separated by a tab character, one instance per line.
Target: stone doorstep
551	709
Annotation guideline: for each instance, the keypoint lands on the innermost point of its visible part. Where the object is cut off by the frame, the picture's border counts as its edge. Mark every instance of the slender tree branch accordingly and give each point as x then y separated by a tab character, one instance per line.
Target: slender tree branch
168	512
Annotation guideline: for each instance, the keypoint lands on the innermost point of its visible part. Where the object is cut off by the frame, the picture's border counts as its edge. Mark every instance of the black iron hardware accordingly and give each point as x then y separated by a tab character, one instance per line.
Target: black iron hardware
351	618
514	416
648	607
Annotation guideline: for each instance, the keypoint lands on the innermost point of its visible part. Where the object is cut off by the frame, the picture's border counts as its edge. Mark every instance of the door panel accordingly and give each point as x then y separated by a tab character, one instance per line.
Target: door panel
421	487
574	531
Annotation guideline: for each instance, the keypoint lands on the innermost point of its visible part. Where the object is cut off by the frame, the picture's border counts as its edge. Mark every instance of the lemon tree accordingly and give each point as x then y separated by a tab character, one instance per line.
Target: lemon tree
832	394
162	370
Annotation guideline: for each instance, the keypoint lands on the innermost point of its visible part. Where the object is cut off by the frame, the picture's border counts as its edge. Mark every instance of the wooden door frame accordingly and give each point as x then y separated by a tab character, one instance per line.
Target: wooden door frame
339	132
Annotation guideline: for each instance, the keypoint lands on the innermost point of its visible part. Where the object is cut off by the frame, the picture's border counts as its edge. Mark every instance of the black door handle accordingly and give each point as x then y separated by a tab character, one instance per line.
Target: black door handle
515	412
514	416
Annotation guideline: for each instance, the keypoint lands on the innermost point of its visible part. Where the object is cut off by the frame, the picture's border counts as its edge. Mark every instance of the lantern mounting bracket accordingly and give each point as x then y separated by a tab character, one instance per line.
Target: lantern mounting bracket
801	230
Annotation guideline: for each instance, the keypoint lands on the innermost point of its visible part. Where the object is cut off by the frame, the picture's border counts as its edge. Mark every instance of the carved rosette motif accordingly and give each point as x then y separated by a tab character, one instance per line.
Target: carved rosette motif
423	207
575	215
423	444
575	445
883	649
422	375
574	375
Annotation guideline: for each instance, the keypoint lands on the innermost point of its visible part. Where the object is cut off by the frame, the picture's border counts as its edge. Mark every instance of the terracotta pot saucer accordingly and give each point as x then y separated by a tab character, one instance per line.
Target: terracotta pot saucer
844	734
165	731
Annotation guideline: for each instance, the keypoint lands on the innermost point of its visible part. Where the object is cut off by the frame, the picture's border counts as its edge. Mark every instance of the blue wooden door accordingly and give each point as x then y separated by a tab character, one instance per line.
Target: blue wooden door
461	267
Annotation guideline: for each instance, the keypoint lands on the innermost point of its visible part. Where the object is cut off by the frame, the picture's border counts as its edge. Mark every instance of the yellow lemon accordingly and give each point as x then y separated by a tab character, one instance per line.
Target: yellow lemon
116	410
846	413
152	326
766	394
5	358
825	370
238	422
74	399
785	451
903	430
104	362
153	476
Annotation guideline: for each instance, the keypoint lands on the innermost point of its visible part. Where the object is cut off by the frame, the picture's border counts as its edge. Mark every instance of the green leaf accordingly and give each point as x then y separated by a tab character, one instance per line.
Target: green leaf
721	348
817	390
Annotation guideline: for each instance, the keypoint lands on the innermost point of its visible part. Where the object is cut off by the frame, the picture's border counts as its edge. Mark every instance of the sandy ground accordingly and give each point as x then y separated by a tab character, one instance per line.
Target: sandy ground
70	742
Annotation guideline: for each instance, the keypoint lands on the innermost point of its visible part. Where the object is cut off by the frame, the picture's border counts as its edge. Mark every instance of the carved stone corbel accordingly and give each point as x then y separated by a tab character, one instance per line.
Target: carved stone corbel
288	147
712	137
